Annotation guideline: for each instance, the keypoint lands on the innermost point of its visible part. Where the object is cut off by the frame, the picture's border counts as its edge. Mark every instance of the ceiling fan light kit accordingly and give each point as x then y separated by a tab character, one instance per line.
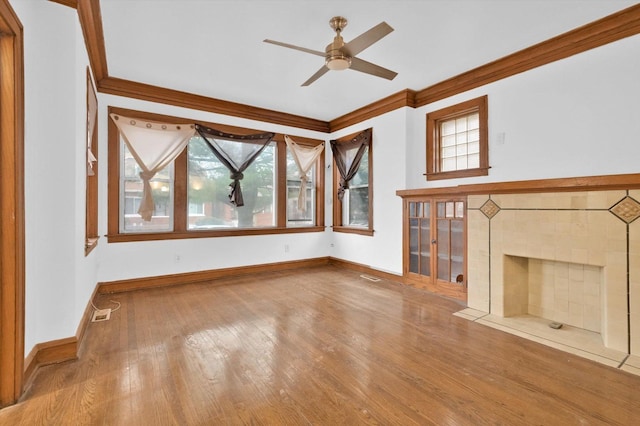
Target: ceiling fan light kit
341	56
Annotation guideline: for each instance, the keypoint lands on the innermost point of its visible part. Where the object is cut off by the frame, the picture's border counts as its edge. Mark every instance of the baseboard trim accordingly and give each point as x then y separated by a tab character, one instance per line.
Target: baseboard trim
366	269
52	352
57	351
201	276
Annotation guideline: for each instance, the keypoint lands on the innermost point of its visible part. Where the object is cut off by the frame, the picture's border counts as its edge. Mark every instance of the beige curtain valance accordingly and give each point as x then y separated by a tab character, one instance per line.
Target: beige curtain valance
153	145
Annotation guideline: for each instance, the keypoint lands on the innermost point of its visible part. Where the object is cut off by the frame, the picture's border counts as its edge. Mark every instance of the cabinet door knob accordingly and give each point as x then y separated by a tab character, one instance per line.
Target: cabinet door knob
433	241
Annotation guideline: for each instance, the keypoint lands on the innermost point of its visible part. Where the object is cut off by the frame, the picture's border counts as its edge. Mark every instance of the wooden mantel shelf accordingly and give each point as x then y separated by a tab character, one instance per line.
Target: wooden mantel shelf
588	183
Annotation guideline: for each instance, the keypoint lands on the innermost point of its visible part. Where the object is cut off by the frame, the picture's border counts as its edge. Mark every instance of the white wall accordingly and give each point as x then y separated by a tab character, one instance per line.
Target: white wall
383	250
58	280
574	117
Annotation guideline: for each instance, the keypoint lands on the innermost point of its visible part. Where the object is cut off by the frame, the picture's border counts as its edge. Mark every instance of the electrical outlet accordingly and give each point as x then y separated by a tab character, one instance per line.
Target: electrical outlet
101	315
286	248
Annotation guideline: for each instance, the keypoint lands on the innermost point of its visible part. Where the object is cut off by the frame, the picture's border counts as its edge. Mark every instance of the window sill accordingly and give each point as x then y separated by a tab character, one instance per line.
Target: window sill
152	236
481	171
349	230
90	244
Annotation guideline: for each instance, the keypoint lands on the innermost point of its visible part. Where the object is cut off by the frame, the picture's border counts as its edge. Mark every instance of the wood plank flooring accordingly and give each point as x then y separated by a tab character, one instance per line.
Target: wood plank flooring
316	346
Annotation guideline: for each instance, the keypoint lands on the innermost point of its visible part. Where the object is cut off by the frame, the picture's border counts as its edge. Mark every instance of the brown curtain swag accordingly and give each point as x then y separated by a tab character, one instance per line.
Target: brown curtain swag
340	150
213	139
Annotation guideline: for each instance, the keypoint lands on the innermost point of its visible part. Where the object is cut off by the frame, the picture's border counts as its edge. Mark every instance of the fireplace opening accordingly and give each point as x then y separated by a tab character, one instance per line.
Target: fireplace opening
561	292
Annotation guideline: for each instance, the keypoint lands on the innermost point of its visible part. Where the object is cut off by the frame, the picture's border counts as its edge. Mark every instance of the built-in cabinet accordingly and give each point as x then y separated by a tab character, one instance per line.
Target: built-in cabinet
435	245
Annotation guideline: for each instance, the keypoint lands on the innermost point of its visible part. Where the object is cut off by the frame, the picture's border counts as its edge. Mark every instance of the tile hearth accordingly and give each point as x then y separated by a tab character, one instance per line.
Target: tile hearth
577	341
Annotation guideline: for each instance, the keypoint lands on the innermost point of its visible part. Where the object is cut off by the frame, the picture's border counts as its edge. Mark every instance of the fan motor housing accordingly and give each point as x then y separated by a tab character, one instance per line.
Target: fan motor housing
335	58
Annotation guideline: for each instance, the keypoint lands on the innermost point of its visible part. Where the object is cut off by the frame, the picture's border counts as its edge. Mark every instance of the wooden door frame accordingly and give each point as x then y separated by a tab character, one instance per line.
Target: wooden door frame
12	246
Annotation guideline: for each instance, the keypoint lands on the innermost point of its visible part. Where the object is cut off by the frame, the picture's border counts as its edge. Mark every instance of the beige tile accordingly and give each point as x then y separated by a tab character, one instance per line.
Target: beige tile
603	199
591	318
476	201
630	369
633	360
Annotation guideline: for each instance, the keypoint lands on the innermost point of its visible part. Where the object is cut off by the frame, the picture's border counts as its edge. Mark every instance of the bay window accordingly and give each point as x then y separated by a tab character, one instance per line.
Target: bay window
191	195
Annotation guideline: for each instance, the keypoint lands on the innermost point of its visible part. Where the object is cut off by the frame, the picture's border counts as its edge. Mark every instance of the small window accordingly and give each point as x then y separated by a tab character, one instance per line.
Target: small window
297	216
354	212
457	143
131	196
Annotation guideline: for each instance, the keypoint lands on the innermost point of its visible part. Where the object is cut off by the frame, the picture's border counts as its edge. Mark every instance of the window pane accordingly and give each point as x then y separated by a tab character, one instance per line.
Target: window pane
448	164
413	209
461	163
427	209
449	140
473	136
473	121
355	204
358	206
208	185
362	175
131	197
460	142
448	128
296	217
473	161
449	209
449	152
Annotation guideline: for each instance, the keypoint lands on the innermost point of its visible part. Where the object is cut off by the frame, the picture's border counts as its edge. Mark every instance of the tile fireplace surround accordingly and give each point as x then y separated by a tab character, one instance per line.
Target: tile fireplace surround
566	257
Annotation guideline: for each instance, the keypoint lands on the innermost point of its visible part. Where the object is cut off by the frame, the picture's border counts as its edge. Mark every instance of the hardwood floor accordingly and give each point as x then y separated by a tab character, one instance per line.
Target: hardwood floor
314	346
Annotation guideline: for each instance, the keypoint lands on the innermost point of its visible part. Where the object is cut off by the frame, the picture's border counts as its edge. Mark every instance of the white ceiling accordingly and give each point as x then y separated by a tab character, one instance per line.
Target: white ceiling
215	47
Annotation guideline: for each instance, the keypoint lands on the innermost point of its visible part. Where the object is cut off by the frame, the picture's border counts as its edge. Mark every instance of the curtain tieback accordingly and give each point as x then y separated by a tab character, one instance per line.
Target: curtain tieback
236	176
146	176
342	187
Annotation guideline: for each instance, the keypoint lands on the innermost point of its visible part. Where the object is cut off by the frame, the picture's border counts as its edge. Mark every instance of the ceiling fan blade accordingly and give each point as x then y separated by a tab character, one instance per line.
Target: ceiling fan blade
366	39
322	71
291	46
373	69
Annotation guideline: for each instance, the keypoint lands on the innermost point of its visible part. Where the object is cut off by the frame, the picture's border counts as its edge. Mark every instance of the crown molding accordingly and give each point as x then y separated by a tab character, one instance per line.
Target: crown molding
147	92
401	99
91	24
71	3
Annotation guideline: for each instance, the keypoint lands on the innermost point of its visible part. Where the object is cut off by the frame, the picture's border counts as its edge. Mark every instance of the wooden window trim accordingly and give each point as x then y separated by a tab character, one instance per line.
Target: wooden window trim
433	139
12	233
180	186
91	219
337	205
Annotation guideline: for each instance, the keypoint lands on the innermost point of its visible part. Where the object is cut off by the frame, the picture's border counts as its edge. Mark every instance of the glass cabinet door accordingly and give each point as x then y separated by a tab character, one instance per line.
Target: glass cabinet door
420	238
450	241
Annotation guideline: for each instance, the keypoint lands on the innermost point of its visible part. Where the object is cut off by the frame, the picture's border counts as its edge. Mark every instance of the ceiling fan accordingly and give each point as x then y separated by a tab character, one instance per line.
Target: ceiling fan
339	55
